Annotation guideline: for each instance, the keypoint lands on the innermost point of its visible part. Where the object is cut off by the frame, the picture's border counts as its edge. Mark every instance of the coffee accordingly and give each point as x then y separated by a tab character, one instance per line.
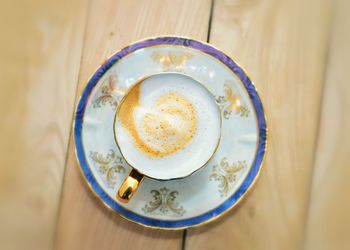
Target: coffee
162	129
168	123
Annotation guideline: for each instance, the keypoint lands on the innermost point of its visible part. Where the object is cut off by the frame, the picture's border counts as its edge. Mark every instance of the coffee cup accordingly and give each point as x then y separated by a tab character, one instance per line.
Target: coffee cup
167	126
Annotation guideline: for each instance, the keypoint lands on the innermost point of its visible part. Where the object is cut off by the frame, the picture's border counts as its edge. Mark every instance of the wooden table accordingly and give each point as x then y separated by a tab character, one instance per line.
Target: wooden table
297	53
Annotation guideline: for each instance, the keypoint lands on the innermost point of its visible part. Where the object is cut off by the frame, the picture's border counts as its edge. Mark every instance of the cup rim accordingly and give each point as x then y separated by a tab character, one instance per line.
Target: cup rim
135	167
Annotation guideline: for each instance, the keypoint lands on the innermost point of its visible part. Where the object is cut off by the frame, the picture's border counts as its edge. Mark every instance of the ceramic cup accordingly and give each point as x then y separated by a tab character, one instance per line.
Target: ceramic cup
167	126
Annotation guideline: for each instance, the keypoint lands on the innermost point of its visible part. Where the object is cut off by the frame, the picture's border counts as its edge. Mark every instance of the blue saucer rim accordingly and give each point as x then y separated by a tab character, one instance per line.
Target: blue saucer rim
231	201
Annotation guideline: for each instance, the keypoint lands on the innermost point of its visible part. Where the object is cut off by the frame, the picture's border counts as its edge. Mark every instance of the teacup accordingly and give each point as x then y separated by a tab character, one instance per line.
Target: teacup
167	126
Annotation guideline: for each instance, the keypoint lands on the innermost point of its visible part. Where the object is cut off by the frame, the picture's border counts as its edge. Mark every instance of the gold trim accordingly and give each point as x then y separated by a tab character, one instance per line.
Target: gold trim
171	61
226	174
164	202
107	93
107	166
231	101
248	191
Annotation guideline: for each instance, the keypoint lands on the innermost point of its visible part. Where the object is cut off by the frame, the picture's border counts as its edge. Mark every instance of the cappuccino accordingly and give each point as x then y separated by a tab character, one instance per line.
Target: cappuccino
167	125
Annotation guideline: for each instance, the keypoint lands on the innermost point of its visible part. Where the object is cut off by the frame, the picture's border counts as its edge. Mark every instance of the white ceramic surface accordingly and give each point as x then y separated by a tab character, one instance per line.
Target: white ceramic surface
206	189
201	146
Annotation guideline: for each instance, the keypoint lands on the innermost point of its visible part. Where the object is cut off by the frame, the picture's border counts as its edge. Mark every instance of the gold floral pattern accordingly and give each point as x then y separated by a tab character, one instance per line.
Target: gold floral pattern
164	203
109	93
226	174
171	61
108	166
231	102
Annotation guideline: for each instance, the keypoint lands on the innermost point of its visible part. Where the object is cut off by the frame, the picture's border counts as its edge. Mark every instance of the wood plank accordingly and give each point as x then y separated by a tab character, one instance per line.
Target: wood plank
84	223
283	44
328	224
40	47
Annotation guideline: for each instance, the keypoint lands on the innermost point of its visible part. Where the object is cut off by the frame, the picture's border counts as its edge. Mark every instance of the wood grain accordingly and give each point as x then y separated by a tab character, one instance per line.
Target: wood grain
84	223
40	48
283	44
328	224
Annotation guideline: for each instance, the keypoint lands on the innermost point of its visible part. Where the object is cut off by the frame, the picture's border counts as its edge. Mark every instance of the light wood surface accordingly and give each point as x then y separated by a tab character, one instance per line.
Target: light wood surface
284	45
40	50
84	223
298	60
328	224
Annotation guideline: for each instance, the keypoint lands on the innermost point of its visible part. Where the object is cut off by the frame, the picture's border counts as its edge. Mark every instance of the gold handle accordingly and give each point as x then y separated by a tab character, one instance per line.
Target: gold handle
129	186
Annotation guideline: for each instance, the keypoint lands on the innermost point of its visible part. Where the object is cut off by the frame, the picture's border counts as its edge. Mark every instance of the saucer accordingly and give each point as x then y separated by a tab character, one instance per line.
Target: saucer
215	188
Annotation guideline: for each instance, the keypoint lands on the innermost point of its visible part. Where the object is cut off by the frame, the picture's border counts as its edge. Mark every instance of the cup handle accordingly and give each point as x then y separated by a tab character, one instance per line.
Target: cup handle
129	186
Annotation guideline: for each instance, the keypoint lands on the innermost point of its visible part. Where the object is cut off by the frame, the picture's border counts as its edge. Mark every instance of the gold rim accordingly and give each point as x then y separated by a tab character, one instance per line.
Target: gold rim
248	190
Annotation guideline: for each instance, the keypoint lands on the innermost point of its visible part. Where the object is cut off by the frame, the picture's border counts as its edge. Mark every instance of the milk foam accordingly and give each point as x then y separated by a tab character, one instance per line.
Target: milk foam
166	127
169	127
